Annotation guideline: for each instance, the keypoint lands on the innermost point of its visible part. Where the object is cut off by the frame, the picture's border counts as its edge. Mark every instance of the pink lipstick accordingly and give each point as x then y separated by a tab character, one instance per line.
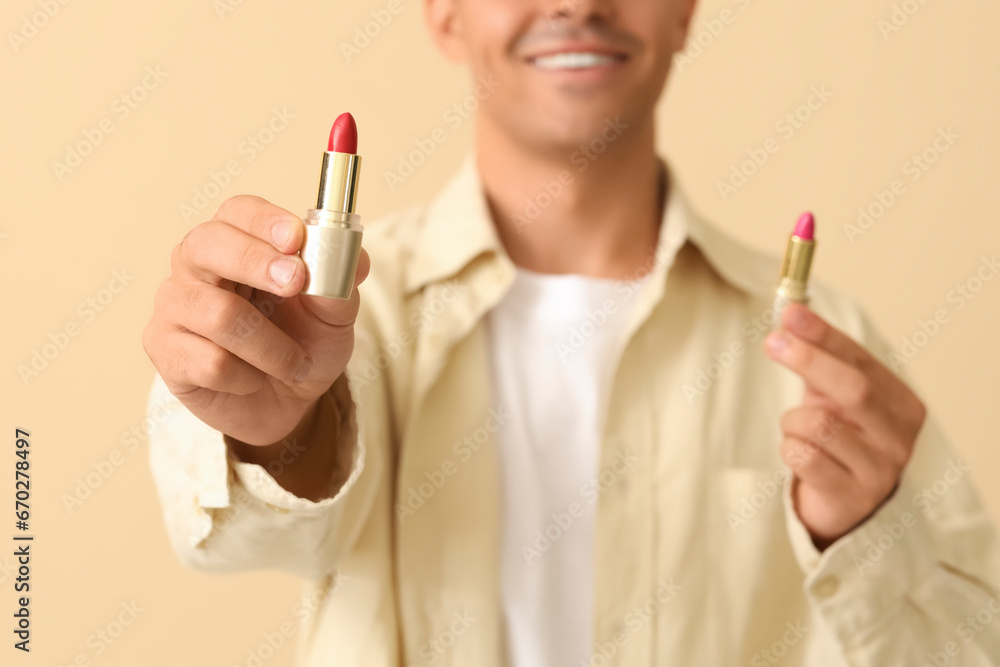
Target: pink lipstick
333	229
793	283
805	227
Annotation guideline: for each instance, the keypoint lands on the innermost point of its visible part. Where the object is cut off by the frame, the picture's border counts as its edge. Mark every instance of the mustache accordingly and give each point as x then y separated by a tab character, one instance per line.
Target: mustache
547	32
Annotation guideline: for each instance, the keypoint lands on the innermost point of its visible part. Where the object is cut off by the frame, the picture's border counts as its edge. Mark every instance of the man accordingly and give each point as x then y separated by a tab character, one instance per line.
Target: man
550	434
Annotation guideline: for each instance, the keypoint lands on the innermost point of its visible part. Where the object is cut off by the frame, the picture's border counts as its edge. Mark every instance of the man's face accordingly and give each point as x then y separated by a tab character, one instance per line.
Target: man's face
565	68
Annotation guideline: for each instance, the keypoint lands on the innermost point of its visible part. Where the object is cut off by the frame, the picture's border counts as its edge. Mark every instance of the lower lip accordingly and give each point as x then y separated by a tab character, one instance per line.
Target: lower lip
596	73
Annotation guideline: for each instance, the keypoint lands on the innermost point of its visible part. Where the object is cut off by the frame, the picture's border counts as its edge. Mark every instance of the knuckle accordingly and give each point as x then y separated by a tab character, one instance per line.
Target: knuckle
809	453
175	257
821	423
239	207
180	363
191	243
797	454
787	449
286	362
229	207
253	258
785	453
801	355
814	327
858	391
265	217
788	421
216	364
223	312
813	424
191	299
161	298
799	459
249	382
251	323
792	421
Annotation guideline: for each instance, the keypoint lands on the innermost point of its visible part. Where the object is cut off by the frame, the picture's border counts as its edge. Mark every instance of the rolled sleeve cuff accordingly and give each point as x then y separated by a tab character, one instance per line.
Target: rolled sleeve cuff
218	480
260	485
865	575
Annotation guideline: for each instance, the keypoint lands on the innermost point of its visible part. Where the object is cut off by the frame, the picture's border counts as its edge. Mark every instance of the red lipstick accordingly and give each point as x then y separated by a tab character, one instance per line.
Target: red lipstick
343	135
333	229
793	283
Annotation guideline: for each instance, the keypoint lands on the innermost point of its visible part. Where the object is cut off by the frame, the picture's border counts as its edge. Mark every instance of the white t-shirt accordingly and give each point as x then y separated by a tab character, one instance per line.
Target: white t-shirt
554	341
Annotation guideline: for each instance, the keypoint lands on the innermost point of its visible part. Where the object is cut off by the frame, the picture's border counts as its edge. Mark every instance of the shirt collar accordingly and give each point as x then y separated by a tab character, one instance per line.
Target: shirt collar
458	227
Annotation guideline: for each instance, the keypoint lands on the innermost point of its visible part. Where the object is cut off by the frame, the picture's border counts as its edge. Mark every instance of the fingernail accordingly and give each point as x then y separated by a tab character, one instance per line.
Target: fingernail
776	343
282	271
303	370
280	233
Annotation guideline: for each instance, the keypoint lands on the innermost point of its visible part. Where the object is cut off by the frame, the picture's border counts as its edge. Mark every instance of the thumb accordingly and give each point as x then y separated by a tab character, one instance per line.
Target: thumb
324	327
339	312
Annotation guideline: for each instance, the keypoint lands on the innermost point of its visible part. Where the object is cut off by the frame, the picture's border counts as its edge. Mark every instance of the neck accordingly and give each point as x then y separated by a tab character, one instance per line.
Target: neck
568	210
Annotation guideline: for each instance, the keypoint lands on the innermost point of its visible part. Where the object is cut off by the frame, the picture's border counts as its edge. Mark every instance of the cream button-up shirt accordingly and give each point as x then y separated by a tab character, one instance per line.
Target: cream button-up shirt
699	556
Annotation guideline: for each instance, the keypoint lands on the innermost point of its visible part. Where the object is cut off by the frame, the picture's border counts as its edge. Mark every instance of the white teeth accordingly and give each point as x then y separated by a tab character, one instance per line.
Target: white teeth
573	60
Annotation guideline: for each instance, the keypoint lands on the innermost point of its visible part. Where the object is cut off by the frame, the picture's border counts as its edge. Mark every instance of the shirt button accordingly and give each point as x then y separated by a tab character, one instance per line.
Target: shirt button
827	587
275	508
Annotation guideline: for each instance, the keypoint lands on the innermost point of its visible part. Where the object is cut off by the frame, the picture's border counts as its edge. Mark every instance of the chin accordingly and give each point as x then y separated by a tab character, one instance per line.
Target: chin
609	125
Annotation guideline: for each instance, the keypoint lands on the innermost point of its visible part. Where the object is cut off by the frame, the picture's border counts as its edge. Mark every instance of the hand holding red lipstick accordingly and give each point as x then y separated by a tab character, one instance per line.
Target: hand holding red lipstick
231	335
247	333
849	441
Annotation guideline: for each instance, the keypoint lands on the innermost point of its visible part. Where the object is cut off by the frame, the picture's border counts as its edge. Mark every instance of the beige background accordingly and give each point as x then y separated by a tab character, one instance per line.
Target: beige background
119	210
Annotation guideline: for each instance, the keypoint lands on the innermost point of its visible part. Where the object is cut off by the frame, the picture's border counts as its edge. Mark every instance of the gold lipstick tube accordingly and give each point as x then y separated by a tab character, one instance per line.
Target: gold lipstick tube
793	281
333	230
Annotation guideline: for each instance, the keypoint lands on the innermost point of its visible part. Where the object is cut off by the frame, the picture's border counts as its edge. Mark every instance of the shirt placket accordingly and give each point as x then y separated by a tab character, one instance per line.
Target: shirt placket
448	551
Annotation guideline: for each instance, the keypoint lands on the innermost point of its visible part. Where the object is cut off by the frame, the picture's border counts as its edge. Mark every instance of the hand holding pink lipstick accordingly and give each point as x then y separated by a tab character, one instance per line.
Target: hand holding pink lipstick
851	438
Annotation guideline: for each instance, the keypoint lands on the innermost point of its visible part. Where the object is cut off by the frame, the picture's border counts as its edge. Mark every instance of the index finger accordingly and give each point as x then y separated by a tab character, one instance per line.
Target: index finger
260	218
809	326
857	396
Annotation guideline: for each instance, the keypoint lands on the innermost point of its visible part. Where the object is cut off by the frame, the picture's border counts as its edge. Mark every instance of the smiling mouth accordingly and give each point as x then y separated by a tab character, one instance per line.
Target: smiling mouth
575	60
